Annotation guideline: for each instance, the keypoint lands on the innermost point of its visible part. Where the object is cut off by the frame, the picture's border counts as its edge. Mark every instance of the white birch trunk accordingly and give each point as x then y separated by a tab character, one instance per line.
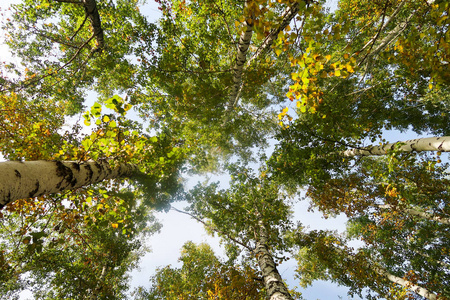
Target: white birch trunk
19	180
406	283
395	279
275	287
241	57
424	144
244	42
391	35
419	213
287	16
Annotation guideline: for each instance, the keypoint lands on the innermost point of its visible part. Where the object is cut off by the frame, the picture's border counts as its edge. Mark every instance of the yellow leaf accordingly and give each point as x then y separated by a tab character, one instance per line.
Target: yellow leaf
115	225
350	68
105	119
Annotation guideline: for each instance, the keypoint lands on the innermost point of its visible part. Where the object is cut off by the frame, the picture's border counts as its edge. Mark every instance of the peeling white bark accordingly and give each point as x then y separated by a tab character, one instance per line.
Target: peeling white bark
275	287
20	180
424	144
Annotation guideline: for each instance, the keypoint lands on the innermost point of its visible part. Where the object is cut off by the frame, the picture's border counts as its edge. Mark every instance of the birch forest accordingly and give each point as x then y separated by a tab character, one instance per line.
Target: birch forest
110	110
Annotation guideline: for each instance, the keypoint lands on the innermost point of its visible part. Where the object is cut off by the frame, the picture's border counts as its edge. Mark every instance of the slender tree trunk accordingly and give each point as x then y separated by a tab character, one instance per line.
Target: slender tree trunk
391	35
91	11
424	144
406	283
19	180
276	289
242	48
419	213
395	279
98	288
287	16
244	42
90	7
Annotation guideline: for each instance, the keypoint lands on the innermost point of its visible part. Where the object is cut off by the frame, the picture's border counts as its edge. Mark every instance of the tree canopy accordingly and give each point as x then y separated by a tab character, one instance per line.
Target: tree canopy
287	98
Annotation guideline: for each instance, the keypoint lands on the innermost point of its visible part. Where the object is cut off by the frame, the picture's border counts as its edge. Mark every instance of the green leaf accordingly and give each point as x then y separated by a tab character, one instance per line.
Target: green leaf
87	143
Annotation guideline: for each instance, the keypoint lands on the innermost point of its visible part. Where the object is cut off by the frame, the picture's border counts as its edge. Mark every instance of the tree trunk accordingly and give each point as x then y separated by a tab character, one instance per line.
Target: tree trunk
90	7
287	16
244	42
275	287
419	213
424	144
394	279
406	283
242	48
19	180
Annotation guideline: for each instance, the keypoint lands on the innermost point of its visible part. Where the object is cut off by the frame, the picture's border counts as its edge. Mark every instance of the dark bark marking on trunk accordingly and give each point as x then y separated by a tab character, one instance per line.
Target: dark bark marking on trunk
76	166
100	168
90	172
66	173
18	175
33	192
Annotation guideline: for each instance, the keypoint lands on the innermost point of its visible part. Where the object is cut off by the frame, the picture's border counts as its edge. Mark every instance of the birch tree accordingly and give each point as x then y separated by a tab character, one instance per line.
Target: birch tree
63	47
73	251
30	179
203	275
73	227
437	144
321	256
207	86
204	71
252	216
347	94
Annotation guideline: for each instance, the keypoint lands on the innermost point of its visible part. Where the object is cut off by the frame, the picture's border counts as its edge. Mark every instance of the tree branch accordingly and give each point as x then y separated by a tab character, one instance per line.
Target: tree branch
211	228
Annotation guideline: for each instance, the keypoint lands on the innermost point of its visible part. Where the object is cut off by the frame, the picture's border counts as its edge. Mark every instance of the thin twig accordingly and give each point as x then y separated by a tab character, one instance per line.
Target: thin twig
213	229
79	28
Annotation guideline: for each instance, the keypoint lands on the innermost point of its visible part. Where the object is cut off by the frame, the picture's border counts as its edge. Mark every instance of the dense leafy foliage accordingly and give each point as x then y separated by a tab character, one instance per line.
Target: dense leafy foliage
204	276
213	82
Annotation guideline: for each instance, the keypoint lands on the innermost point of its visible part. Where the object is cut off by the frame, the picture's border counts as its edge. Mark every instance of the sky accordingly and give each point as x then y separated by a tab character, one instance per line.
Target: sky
179	228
